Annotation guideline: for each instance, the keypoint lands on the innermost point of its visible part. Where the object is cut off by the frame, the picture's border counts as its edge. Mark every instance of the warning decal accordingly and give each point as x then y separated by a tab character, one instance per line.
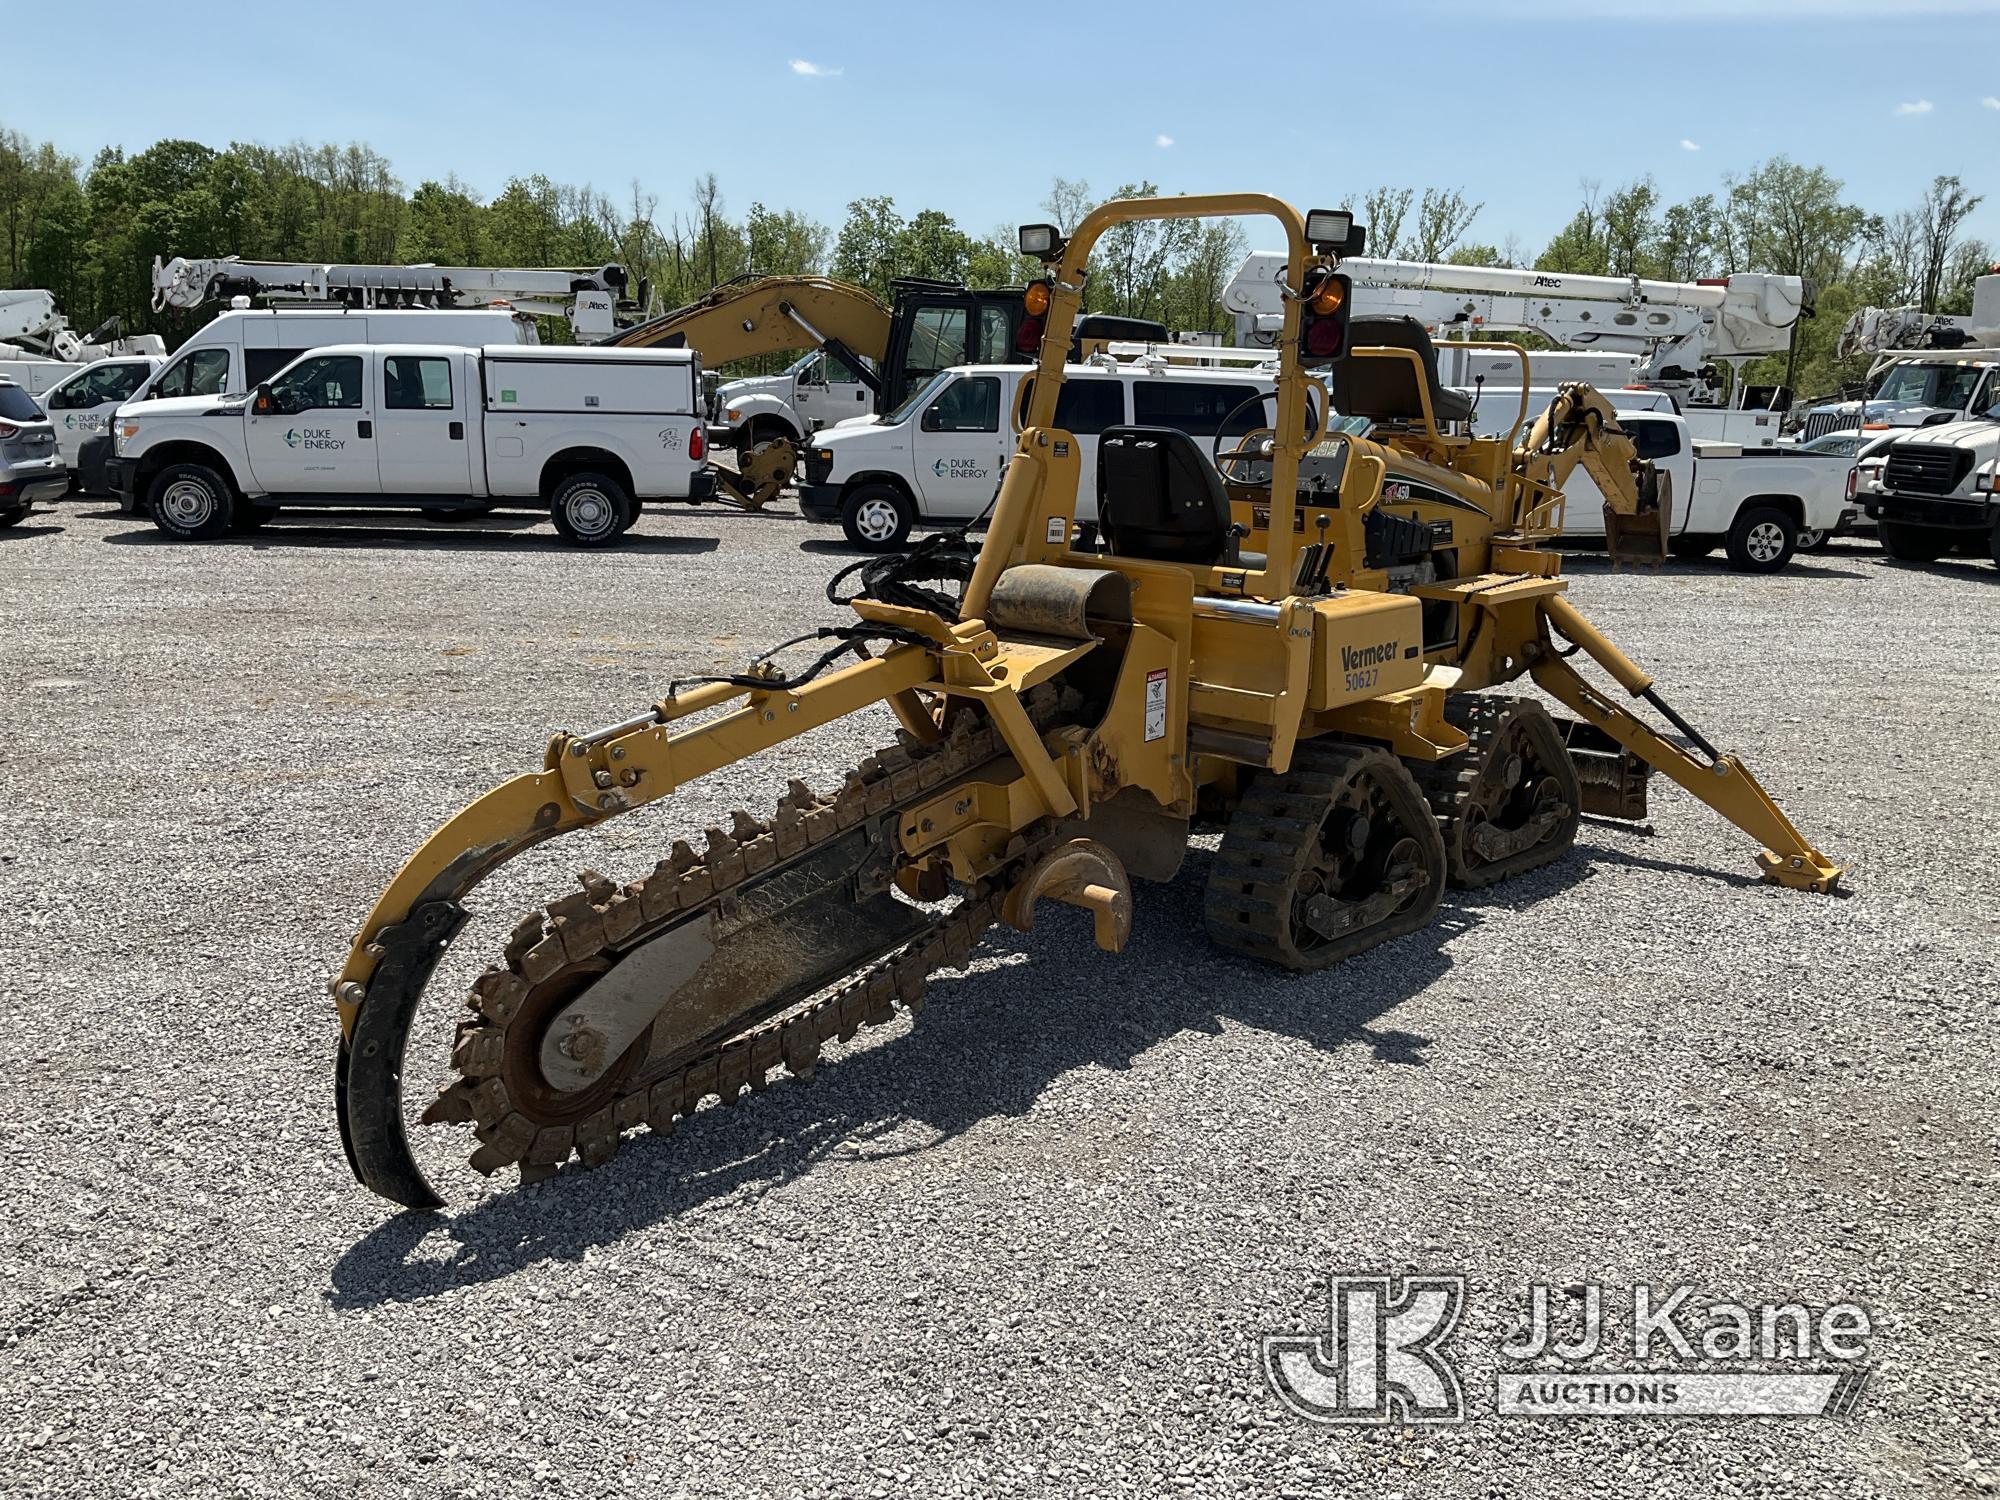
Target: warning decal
1156	704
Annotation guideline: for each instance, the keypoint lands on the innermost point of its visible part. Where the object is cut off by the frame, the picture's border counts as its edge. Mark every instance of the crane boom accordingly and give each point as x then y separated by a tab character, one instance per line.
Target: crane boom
588	297
1672	328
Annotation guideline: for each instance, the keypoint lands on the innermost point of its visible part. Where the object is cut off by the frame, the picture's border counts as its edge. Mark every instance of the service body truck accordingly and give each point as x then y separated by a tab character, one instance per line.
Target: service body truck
937	456
1933	491
244	346
81	407
1759	504
585	434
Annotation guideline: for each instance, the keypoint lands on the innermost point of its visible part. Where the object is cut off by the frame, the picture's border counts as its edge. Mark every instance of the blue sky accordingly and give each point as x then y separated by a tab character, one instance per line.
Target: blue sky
973	109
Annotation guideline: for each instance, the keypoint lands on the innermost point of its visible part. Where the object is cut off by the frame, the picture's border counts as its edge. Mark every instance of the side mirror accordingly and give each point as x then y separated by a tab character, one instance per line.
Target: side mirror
262	404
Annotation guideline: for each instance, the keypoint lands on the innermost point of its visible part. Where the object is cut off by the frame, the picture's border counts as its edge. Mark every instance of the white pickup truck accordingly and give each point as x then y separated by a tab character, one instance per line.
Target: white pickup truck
1759	504
585	434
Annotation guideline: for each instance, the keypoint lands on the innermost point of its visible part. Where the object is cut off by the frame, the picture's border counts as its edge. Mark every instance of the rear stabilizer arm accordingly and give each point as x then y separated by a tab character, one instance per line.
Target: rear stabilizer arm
1724	783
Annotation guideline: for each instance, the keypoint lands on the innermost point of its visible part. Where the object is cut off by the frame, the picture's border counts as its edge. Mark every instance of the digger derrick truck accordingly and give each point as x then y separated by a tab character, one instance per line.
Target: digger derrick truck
889	351
1297	642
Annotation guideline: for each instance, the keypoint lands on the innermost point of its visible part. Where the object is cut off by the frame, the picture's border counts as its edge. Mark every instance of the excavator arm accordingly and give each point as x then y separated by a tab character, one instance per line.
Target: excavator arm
1580	428
755	315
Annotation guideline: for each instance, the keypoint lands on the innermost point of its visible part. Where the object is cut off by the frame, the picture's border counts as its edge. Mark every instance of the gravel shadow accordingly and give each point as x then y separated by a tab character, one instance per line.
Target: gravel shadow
987	1046
20	533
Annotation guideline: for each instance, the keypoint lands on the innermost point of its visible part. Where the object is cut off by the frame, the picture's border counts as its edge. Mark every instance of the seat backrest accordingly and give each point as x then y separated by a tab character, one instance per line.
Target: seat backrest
1386	390
1159	497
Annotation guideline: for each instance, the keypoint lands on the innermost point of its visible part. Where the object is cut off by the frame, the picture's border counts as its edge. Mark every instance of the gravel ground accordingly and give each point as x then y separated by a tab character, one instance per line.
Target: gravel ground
1030	1245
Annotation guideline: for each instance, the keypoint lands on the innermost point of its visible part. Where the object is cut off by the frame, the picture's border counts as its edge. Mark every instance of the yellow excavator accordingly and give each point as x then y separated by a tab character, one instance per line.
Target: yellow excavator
1293	636
927	326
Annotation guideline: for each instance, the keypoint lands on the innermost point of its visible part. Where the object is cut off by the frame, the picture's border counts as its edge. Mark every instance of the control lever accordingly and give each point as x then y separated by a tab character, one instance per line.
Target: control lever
1324	556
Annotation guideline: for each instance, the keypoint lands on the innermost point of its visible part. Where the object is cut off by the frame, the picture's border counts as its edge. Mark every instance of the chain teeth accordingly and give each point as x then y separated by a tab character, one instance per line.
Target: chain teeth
601	916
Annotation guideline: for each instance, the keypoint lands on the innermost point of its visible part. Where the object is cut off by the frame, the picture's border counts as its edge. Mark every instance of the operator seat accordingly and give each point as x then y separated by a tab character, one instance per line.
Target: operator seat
1159	498
1385	390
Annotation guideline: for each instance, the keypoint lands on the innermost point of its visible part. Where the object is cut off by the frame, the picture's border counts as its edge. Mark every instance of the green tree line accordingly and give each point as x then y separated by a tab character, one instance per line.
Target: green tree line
89	233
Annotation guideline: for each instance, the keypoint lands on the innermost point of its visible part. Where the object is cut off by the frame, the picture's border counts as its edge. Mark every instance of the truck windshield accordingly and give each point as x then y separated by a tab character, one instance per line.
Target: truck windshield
915	399
1929	385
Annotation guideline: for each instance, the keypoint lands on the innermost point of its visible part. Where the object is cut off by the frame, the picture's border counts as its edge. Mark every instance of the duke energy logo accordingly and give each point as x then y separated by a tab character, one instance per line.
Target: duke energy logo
959	468
313	437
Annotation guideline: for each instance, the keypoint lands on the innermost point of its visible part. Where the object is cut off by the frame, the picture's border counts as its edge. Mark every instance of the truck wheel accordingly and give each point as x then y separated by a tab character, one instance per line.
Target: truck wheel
877	517
1909	543
590	510
252	517
1762	540
1993	544
191	502
1811	541
1691	548
14	517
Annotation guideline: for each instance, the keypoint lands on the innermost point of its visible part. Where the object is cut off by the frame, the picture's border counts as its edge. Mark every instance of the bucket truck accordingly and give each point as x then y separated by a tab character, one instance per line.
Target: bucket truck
38	348
1928	368
589	299
1665	335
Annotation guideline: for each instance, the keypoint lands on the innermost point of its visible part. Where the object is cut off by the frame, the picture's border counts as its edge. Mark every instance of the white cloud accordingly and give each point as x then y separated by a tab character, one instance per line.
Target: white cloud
1990	102
1163	141
812	69
1688	145
1915	107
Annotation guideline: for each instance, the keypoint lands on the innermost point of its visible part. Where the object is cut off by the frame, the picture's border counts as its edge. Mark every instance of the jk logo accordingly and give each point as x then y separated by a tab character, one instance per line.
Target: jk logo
1381	1358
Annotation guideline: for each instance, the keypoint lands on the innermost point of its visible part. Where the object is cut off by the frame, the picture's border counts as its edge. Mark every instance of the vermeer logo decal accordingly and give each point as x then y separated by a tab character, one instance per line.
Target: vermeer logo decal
1355	658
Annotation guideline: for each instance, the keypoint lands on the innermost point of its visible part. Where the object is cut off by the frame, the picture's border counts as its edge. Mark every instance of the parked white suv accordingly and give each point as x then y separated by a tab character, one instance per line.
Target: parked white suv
938	455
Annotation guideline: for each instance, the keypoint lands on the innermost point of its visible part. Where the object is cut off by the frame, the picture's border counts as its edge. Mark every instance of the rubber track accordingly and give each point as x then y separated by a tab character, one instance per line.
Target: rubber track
1267	844
1449	785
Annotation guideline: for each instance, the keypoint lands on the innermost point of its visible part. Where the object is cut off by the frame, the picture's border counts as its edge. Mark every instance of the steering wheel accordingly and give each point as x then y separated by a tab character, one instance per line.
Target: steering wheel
1244	452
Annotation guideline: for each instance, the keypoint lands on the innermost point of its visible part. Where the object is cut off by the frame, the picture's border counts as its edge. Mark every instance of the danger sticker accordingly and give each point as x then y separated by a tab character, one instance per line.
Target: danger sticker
1156	704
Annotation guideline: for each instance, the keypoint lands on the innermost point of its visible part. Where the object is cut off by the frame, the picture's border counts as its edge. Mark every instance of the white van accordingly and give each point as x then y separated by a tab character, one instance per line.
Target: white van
82	403
244	347
938	455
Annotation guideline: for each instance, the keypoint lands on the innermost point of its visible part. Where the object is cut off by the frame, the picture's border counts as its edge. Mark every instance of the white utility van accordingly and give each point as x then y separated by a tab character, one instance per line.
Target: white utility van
244	346
82	404
586	434
937	456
